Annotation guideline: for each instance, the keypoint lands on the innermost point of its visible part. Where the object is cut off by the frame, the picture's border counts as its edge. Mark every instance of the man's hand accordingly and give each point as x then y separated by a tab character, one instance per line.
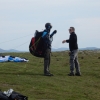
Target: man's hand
55	31
64	41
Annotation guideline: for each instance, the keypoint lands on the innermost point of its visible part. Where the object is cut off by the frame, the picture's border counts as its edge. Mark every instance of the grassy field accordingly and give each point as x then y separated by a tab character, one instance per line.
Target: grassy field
28	79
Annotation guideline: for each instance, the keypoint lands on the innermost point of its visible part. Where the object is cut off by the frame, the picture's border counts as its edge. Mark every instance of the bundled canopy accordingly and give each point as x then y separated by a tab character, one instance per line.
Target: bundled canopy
37	44
12	59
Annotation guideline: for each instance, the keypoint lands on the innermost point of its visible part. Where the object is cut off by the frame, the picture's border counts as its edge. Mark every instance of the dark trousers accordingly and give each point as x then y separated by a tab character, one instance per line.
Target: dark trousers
47	61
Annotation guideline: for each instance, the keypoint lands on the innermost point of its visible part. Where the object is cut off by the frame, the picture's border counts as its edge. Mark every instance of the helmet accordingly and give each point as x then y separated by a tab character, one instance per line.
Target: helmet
48	26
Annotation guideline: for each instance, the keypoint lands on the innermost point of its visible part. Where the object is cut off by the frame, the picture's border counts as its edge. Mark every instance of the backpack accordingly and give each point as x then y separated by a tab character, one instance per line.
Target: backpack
36	46
17	96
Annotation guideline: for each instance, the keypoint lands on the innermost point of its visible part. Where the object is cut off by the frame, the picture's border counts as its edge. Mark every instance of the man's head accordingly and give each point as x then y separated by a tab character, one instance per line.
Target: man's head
71	30
48	26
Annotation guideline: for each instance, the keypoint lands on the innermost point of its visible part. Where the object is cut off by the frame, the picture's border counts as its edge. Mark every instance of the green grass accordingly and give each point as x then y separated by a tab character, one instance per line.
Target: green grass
28	79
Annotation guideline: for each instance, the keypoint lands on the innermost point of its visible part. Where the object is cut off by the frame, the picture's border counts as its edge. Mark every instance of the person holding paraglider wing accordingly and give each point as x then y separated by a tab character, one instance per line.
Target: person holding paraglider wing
47	45
73	46
40	46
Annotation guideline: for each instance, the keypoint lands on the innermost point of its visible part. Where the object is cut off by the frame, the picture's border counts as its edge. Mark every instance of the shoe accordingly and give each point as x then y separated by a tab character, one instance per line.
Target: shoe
71	74
78	74
48	74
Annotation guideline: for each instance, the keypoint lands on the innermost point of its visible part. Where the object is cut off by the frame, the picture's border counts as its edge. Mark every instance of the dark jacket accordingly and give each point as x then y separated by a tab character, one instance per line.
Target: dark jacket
72	42
46	37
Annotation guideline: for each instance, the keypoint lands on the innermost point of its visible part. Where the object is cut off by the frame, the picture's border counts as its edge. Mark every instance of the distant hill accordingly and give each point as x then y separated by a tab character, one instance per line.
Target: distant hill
1	50
87	48
60	49
7	51
12	50
90	48
54	50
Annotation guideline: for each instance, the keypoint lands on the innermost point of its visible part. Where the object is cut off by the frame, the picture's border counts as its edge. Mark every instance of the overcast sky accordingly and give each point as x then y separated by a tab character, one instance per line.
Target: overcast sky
20	19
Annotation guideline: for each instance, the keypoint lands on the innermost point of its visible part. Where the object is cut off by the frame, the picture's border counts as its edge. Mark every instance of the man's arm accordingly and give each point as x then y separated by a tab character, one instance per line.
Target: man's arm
64	41
67	41
72	39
